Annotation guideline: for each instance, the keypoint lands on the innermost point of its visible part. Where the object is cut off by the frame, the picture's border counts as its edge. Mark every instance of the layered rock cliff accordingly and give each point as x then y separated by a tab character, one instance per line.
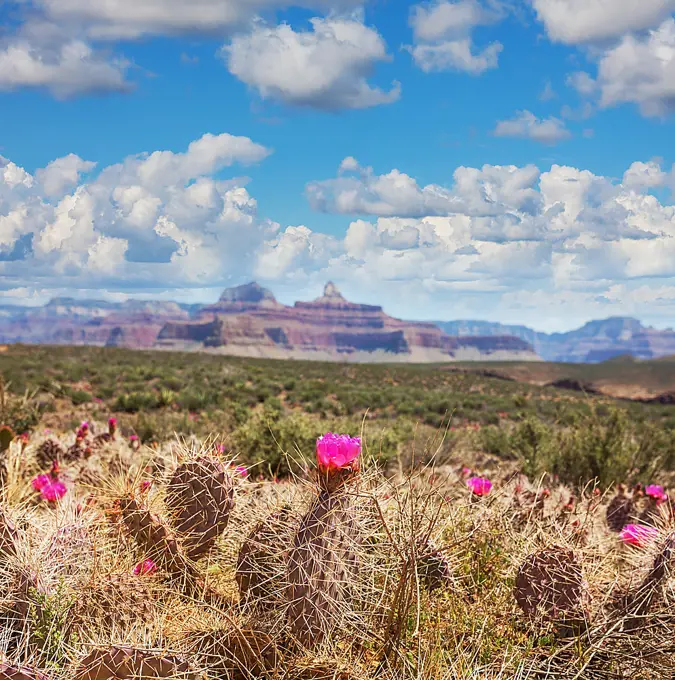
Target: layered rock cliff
249	321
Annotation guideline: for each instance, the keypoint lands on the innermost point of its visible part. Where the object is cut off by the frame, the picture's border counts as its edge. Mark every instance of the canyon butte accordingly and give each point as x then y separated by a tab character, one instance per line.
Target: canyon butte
249	321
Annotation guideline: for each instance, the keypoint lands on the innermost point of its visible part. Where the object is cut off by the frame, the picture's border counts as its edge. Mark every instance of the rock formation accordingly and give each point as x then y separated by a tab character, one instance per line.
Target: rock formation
248	321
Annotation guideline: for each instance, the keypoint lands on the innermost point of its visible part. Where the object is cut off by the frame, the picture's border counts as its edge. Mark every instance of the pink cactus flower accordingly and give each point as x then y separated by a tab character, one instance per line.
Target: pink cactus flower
466	472
53	491
337	451
656	492
40	481
479	486
145	568
50	488
145	485
241	470
638	534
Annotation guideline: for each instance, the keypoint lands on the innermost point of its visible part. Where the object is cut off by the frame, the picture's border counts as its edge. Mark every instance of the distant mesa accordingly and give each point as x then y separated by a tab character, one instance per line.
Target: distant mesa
249	292
248	320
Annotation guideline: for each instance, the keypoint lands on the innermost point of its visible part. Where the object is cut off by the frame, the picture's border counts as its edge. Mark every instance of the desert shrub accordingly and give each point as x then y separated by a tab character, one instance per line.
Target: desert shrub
611	449
78	397
20	413
278	444
136	401
496	440
532	441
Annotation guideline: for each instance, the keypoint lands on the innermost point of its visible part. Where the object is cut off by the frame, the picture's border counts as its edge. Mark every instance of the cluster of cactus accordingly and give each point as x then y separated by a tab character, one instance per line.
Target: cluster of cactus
199	499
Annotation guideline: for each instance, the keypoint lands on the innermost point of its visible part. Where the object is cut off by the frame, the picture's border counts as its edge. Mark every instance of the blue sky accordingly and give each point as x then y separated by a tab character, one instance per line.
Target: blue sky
510	160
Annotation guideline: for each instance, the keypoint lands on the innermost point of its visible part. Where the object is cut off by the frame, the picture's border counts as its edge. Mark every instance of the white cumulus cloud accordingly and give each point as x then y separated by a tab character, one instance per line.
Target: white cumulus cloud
443	40
326	68
526	125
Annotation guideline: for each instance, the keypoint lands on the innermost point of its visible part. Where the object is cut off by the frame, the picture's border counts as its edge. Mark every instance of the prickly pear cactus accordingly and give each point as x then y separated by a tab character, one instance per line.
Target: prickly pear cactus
619	511
16	673
49	451
322	564
127	663
260	564
236	654
153	536
433	567
200	496
639	602
551	583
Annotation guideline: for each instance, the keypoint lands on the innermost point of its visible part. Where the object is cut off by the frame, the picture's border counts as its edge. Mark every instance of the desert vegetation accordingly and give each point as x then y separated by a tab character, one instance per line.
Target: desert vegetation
188	516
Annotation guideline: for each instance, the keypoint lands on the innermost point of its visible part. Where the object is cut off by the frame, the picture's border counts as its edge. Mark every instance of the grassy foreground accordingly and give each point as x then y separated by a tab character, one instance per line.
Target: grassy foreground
97	575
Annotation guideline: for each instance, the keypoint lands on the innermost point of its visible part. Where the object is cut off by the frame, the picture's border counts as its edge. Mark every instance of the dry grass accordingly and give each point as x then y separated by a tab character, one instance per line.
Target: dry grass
70	594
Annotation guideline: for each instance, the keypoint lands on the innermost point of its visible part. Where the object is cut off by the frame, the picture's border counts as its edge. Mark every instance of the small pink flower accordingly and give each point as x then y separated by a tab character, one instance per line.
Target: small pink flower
40	482
638	534
480	486
146	484
133	438
656	492
241	470
337	451
466	472
145	568
53	491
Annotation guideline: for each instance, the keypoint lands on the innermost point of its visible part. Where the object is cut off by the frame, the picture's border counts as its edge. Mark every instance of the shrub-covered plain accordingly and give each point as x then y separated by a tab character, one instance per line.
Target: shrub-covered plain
187	516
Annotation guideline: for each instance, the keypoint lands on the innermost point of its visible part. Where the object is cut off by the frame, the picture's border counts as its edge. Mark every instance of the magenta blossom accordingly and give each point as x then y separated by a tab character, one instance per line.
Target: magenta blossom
145	568
656	492
241	470
51	489
480	486
40	481
638	534
337	451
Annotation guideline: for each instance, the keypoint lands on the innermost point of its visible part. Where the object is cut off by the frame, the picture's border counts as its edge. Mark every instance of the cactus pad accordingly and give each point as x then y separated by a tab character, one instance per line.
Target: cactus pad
619	512
551	582
126	663
321	567
433	567
260	564
200	496
16	673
